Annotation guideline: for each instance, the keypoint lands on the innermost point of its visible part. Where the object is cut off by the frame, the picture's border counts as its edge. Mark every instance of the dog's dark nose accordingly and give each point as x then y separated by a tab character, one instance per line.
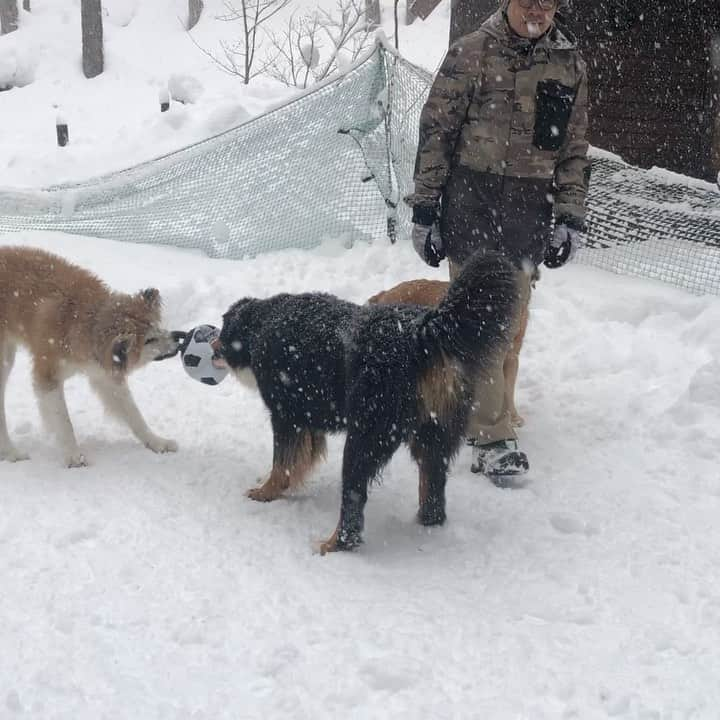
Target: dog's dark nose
218	359
179	337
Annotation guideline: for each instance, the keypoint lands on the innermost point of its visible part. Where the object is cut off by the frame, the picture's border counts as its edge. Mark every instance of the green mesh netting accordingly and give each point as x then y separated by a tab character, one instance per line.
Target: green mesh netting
290	178
335	163
649	224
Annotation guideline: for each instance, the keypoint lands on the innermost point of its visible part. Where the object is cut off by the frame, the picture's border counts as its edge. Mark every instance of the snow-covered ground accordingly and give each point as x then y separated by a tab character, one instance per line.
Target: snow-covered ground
148	587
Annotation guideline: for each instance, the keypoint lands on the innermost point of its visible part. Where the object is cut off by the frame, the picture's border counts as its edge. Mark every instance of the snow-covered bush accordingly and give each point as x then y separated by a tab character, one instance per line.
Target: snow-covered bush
119	12
17	64
185	88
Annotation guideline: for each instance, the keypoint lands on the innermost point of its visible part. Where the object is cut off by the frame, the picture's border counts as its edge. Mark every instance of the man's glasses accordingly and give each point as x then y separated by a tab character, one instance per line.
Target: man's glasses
542	4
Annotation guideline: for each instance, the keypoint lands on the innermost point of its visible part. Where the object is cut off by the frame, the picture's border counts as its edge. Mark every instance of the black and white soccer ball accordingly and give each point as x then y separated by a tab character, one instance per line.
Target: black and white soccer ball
199	358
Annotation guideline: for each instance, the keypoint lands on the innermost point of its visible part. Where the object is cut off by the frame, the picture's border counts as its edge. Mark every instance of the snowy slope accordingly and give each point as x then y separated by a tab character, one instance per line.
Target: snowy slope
148	587
114	119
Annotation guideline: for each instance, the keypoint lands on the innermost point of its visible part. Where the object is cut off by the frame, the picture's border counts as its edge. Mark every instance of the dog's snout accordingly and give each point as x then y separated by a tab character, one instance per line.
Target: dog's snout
218	358
170	345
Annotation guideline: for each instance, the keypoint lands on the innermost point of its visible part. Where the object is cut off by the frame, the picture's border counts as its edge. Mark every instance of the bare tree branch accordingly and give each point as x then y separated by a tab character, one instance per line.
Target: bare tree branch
239	57
229	63
297	52
349	31
300	56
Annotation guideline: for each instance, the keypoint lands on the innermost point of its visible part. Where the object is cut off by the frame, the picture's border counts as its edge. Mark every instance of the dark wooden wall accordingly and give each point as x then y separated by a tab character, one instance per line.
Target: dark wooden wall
653	89
468	15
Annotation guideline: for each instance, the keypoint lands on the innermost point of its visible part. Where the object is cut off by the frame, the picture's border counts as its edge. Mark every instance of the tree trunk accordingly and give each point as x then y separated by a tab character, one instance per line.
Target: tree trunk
8	16
195	8
714	102
422	8
92	37
372	13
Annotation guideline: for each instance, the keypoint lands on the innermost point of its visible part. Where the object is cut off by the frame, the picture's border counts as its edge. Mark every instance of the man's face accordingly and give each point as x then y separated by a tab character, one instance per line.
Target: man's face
528	19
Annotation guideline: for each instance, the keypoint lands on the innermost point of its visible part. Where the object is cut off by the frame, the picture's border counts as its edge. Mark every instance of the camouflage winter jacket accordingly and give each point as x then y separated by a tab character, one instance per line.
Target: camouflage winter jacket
503	105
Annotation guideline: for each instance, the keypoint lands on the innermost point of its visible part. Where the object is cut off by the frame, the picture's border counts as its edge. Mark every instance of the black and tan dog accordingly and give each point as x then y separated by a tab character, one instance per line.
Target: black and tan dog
384	374
431	292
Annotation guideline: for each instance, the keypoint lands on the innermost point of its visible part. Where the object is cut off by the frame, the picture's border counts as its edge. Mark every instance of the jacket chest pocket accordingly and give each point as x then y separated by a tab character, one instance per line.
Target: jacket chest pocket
553	106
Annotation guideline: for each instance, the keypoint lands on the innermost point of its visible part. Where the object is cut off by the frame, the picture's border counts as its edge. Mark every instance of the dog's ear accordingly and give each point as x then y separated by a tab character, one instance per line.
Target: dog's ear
120	351
237	306
151	296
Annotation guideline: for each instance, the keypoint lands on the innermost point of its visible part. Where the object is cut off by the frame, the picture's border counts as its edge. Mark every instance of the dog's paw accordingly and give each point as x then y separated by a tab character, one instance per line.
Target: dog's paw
76	460
431	515
263	494
272	487
341	540
516	419
161	445
12	454
330	545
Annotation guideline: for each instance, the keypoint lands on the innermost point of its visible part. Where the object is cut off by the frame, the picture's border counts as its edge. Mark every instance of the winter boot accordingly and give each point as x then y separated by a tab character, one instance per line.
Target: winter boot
499	460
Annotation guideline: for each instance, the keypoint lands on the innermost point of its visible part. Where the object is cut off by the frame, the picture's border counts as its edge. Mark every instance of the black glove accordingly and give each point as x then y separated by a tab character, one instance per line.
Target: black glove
565	241
426	237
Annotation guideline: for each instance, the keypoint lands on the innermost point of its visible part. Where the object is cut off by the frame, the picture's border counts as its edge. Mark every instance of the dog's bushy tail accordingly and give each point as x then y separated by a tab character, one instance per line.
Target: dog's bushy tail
477	316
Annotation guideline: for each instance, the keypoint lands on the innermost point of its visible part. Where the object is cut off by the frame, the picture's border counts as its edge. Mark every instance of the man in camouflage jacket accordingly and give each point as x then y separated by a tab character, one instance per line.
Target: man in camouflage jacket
502	150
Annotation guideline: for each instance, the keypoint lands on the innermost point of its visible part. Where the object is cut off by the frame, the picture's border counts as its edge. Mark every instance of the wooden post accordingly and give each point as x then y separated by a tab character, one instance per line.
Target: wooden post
714	103
8	16
92	37
61	130
195	8
164	98
716	145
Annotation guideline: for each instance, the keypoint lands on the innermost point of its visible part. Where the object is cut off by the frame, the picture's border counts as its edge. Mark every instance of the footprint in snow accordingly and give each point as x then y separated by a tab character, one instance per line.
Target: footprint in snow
569	524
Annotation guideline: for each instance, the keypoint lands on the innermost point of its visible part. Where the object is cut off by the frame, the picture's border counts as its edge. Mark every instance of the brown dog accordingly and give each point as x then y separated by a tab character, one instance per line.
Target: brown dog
72	322
431	292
